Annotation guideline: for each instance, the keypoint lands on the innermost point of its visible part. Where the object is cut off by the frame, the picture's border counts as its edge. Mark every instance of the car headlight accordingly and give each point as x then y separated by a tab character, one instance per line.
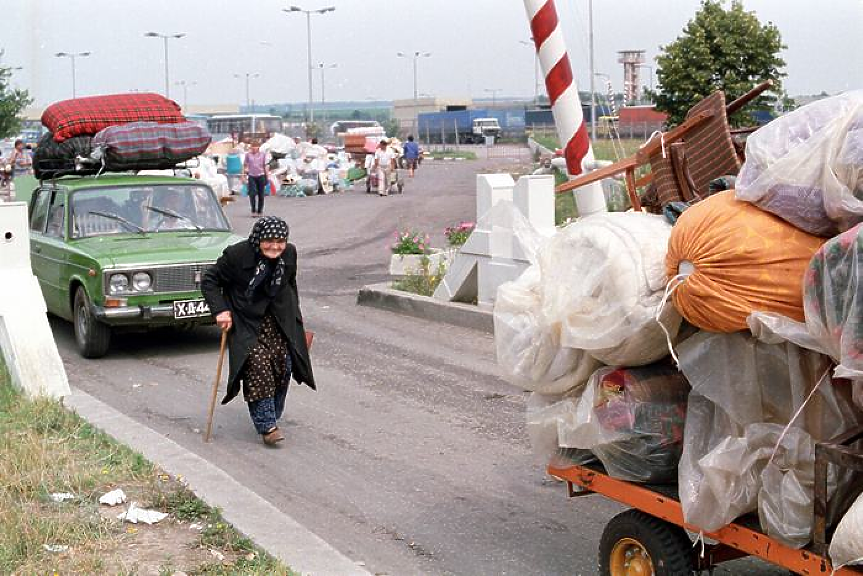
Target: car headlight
141	281
118	283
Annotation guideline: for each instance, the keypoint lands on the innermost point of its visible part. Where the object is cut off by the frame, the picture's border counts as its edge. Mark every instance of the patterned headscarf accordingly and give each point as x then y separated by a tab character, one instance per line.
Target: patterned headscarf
267	228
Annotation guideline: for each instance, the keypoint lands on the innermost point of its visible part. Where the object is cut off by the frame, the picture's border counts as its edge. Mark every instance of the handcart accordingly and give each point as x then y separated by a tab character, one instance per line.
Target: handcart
651	537
396	184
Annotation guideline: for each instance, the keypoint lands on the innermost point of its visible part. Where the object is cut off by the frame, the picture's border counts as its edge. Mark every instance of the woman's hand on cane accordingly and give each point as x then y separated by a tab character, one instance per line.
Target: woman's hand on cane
224	320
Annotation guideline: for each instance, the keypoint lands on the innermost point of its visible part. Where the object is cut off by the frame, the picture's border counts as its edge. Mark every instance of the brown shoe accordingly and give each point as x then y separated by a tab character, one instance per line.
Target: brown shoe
273	437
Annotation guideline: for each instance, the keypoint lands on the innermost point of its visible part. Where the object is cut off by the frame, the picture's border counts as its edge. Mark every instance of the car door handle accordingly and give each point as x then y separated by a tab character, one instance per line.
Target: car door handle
37	250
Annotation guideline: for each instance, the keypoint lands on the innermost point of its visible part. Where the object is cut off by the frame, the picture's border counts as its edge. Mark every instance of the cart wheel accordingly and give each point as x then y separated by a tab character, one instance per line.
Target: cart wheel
638	544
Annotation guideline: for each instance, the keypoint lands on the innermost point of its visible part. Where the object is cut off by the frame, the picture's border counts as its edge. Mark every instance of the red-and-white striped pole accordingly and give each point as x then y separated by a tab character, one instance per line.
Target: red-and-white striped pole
563	95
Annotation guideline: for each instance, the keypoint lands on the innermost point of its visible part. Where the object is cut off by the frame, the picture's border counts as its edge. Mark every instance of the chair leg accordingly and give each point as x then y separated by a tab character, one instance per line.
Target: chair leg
631	190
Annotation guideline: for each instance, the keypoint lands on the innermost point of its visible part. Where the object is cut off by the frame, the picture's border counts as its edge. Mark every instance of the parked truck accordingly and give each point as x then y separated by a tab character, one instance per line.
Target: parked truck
464	126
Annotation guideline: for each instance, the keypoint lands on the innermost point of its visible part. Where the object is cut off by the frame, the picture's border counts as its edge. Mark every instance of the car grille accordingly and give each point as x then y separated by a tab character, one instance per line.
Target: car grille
178	278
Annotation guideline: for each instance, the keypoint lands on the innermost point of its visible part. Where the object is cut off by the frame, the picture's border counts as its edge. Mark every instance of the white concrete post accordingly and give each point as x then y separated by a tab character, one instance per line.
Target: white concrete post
26	340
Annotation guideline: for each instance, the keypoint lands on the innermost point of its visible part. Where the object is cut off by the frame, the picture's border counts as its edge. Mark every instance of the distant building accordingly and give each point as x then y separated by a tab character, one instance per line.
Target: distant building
406	111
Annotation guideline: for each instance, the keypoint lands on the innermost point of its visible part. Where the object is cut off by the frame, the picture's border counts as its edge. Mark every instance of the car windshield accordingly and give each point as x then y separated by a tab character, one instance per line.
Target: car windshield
141	209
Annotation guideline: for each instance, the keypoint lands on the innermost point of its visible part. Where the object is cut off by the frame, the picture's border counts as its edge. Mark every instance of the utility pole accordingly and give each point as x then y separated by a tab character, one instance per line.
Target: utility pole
592	73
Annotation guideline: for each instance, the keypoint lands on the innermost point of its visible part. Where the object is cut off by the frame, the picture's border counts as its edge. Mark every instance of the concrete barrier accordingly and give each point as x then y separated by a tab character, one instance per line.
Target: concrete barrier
26	340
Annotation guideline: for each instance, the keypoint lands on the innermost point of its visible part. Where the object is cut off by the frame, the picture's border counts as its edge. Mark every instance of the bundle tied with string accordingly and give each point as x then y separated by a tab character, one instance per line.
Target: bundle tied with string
727	259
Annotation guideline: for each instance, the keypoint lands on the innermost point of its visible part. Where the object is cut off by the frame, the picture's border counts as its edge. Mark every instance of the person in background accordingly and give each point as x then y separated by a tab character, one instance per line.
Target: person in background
256	174
383	166
411	152
21	160
252	292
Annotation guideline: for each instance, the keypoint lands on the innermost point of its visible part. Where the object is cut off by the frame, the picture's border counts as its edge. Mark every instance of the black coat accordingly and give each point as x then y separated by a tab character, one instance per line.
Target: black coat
224	287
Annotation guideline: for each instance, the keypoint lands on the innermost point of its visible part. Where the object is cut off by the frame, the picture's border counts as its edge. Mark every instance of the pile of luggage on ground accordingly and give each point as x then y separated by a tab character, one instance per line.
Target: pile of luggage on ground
116	133
713	352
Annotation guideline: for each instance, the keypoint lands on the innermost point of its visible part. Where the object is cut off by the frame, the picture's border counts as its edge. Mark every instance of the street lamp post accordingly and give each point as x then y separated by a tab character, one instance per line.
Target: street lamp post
415	56
323	67
247	75
308	14
494	92
165	37
530	45
185	86
71	56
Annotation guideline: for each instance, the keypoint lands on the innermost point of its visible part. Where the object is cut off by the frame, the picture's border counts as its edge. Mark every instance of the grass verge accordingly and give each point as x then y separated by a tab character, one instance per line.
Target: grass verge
440	154
46	449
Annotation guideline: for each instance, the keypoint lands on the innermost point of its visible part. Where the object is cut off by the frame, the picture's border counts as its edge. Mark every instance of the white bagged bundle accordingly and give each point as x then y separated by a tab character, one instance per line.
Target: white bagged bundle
846	547
528	346
602	278
807	166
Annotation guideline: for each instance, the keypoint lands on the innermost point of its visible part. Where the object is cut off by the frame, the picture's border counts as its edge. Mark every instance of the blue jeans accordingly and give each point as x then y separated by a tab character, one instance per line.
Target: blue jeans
267	411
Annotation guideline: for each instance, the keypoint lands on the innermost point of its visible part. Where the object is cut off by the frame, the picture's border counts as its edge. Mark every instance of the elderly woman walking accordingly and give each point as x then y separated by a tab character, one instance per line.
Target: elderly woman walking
252	292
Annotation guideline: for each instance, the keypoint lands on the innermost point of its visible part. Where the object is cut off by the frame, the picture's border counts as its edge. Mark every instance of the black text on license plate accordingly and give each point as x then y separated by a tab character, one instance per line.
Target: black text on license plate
190	308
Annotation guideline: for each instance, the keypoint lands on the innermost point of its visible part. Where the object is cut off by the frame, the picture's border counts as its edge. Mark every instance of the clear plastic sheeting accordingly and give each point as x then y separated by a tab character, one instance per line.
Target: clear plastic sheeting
528	346
545	416
631	419
807	166
744	395
602	279
833	301
846	547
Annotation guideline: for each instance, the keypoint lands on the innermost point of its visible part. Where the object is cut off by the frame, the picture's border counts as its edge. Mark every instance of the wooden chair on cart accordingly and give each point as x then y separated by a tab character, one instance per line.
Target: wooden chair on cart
684	160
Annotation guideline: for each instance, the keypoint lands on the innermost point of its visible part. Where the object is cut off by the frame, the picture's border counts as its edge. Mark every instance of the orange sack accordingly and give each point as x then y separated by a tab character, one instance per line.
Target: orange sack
739	259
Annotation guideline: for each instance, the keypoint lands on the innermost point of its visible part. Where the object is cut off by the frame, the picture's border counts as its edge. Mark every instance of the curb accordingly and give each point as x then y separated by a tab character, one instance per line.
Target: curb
455	313
270	528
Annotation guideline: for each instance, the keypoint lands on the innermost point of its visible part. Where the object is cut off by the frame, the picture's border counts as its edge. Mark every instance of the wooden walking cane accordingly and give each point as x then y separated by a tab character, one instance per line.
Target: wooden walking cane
216	385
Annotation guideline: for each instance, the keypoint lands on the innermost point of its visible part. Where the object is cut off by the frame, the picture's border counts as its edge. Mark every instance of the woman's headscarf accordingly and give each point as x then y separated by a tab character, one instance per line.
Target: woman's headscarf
267	228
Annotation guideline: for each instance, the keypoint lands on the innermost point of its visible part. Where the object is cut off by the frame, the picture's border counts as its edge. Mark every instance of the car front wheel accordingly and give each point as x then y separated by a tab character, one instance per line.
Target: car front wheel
93	337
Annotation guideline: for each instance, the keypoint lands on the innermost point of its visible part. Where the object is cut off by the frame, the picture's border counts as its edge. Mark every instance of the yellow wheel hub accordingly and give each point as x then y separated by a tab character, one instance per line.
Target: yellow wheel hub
629	557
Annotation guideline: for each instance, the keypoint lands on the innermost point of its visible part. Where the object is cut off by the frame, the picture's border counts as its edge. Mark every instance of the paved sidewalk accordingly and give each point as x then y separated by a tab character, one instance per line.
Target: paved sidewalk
271	529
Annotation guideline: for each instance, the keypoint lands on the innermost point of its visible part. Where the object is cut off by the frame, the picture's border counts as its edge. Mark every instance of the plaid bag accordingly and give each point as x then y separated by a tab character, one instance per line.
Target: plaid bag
52	159
87	116
148	145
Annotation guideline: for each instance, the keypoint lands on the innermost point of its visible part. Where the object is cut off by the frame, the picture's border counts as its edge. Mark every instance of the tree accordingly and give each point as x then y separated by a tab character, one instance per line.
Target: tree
720	49
12	103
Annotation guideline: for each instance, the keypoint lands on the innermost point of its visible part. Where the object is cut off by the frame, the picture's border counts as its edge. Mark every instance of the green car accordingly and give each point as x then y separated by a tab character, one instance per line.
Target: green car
124	251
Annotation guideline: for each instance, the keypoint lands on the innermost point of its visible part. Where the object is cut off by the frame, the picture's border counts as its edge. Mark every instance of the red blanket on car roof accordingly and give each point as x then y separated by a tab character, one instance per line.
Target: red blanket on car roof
89	115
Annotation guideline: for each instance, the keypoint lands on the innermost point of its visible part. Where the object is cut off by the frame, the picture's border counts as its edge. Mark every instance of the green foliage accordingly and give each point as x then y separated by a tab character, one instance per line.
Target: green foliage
423	281
720	49
457	235
12	103
391	126
410	242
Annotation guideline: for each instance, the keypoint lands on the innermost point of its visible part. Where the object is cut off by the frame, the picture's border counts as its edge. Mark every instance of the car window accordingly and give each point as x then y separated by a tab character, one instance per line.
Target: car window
57	215
40	210
136	209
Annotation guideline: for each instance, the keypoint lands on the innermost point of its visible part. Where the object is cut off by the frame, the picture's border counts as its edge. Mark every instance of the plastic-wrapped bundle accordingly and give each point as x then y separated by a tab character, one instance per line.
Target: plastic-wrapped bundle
546	415
735	259
846	547
602	279
744	394
528	348
807	166
632	420
833	301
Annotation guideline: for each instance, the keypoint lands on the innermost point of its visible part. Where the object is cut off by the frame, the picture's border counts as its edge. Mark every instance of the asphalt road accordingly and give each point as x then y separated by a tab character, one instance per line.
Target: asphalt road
412	456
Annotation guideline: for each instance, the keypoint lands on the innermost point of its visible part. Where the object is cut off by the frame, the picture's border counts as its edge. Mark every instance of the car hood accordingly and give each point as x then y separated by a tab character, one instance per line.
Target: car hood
129	250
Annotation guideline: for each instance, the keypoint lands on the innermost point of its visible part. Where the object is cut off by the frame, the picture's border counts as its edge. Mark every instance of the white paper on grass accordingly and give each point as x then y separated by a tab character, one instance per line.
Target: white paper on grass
62	496
113	498
135	514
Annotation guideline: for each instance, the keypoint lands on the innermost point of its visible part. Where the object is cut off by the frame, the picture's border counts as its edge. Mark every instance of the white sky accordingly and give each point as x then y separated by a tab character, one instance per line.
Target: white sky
474	45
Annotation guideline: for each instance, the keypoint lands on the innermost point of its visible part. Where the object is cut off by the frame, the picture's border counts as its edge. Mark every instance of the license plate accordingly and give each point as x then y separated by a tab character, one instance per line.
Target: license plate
191	309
